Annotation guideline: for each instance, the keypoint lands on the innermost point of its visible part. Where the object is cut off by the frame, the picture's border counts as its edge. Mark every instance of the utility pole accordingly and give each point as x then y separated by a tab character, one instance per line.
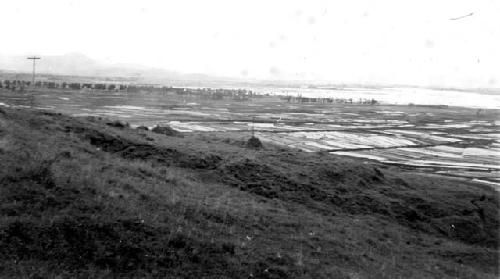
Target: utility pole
34	58
253	126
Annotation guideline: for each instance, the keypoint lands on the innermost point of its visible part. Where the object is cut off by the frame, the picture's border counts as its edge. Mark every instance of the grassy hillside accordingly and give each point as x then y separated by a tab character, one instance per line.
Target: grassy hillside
82	198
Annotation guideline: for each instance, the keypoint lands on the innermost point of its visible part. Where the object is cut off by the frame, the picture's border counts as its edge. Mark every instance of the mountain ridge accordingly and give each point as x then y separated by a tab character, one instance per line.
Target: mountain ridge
81	65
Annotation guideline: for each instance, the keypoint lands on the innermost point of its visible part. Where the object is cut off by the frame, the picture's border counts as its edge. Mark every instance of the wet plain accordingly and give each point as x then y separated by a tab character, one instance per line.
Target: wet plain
436	140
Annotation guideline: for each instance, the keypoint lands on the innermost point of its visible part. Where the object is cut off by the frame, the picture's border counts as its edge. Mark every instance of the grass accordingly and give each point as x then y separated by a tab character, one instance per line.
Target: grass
79	198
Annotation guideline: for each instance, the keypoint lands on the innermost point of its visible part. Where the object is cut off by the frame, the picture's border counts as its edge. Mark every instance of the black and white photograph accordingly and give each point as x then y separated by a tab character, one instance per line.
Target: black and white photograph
318	139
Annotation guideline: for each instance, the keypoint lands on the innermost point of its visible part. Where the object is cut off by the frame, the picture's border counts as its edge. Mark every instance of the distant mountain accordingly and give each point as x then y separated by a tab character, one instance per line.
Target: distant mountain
77	64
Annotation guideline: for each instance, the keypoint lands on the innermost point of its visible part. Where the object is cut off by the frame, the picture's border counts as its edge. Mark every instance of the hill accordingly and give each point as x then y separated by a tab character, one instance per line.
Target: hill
77	64
83	197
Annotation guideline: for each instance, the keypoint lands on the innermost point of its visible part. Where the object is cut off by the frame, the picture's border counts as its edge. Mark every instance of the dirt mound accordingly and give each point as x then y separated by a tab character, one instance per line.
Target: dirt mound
470	221
257	178
340	192
105	141
272	182
169	156
92	118
140	151
200	161
148	152
359	177
254	143
166	130
264	180
118	124
143	128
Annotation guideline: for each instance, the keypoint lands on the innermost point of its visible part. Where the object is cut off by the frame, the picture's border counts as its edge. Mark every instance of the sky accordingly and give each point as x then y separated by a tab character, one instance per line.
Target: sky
351	41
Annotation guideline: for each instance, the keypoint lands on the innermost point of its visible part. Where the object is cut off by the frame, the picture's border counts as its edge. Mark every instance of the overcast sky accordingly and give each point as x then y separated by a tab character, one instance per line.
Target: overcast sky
413	42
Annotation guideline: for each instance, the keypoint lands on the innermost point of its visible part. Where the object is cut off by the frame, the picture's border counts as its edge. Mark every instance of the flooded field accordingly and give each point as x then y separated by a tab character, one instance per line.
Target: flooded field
451	141
401	95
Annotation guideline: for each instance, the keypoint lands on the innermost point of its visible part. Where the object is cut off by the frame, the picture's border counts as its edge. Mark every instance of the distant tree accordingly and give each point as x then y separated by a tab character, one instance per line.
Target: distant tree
75	86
